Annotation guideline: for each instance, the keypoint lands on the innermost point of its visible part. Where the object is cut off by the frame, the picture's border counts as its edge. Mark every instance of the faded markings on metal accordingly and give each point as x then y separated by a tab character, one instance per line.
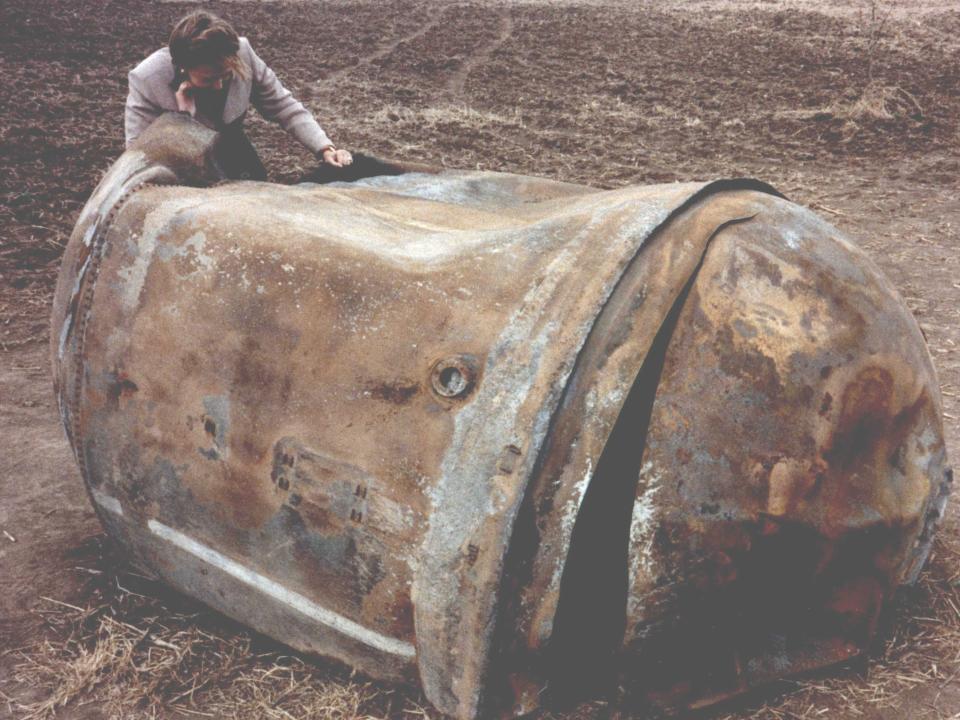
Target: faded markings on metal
266	585
278	592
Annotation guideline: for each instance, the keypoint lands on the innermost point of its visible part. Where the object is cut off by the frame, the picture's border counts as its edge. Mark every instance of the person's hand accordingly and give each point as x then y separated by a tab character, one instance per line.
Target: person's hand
185	100
337	158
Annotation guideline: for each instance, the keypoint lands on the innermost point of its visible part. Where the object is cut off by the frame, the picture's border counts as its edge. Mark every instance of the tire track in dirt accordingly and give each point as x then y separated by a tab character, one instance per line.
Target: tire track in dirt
455	85
381	52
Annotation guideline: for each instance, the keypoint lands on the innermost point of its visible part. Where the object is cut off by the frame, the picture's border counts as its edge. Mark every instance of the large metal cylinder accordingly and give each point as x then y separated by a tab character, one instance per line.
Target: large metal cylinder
499	435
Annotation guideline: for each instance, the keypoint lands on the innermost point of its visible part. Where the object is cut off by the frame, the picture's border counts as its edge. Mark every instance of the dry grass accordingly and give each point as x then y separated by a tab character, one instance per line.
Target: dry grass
877	102
880	102
24	320
136	650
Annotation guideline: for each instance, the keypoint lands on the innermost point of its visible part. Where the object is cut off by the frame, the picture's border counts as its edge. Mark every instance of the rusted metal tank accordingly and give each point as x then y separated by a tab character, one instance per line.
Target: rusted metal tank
513	439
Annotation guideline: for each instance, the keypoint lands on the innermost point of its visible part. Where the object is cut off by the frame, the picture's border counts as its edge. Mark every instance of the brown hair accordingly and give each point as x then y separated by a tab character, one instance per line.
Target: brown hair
201	38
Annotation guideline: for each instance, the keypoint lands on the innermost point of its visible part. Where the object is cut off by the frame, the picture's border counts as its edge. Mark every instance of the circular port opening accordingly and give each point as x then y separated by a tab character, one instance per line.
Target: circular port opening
452	378
452	381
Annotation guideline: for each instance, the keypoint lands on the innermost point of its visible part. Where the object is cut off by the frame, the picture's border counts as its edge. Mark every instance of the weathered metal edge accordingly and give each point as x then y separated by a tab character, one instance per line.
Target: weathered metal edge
453	667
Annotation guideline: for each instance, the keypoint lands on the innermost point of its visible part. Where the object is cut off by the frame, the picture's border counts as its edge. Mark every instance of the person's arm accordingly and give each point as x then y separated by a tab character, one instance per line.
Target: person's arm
276	103
139	112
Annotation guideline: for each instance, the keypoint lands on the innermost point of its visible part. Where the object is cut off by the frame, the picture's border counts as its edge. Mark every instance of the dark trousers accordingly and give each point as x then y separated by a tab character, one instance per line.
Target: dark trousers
236	156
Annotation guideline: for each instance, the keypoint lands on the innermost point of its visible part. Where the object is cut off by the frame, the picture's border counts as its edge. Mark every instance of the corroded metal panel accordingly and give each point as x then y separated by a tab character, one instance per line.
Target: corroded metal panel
794	460
393	420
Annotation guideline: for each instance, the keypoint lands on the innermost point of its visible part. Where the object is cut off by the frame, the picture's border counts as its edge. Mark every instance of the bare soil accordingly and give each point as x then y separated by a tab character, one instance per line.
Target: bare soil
852	108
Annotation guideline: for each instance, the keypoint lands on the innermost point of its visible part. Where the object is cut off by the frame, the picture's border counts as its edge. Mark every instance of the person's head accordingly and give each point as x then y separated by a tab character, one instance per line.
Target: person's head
205	47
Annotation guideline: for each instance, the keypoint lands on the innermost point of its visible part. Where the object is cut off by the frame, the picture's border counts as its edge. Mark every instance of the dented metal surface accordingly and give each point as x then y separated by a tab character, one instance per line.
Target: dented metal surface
434	424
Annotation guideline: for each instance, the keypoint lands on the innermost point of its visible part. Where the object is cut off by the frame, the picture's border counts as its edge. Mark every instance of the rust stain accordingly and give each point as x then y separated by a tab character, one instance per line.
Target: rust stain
399	392
864	419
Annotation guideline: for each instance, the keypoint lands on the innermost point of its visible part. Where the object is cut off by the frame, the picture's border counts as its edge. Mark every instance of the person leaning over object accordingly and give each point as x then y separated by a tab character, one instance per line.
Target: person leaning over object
215	76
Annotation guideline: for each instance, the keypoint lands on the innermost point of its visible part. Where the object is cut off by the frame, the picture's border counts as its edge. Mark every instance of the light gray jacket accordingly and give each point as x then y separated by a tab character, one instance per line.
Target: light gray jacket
151	94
